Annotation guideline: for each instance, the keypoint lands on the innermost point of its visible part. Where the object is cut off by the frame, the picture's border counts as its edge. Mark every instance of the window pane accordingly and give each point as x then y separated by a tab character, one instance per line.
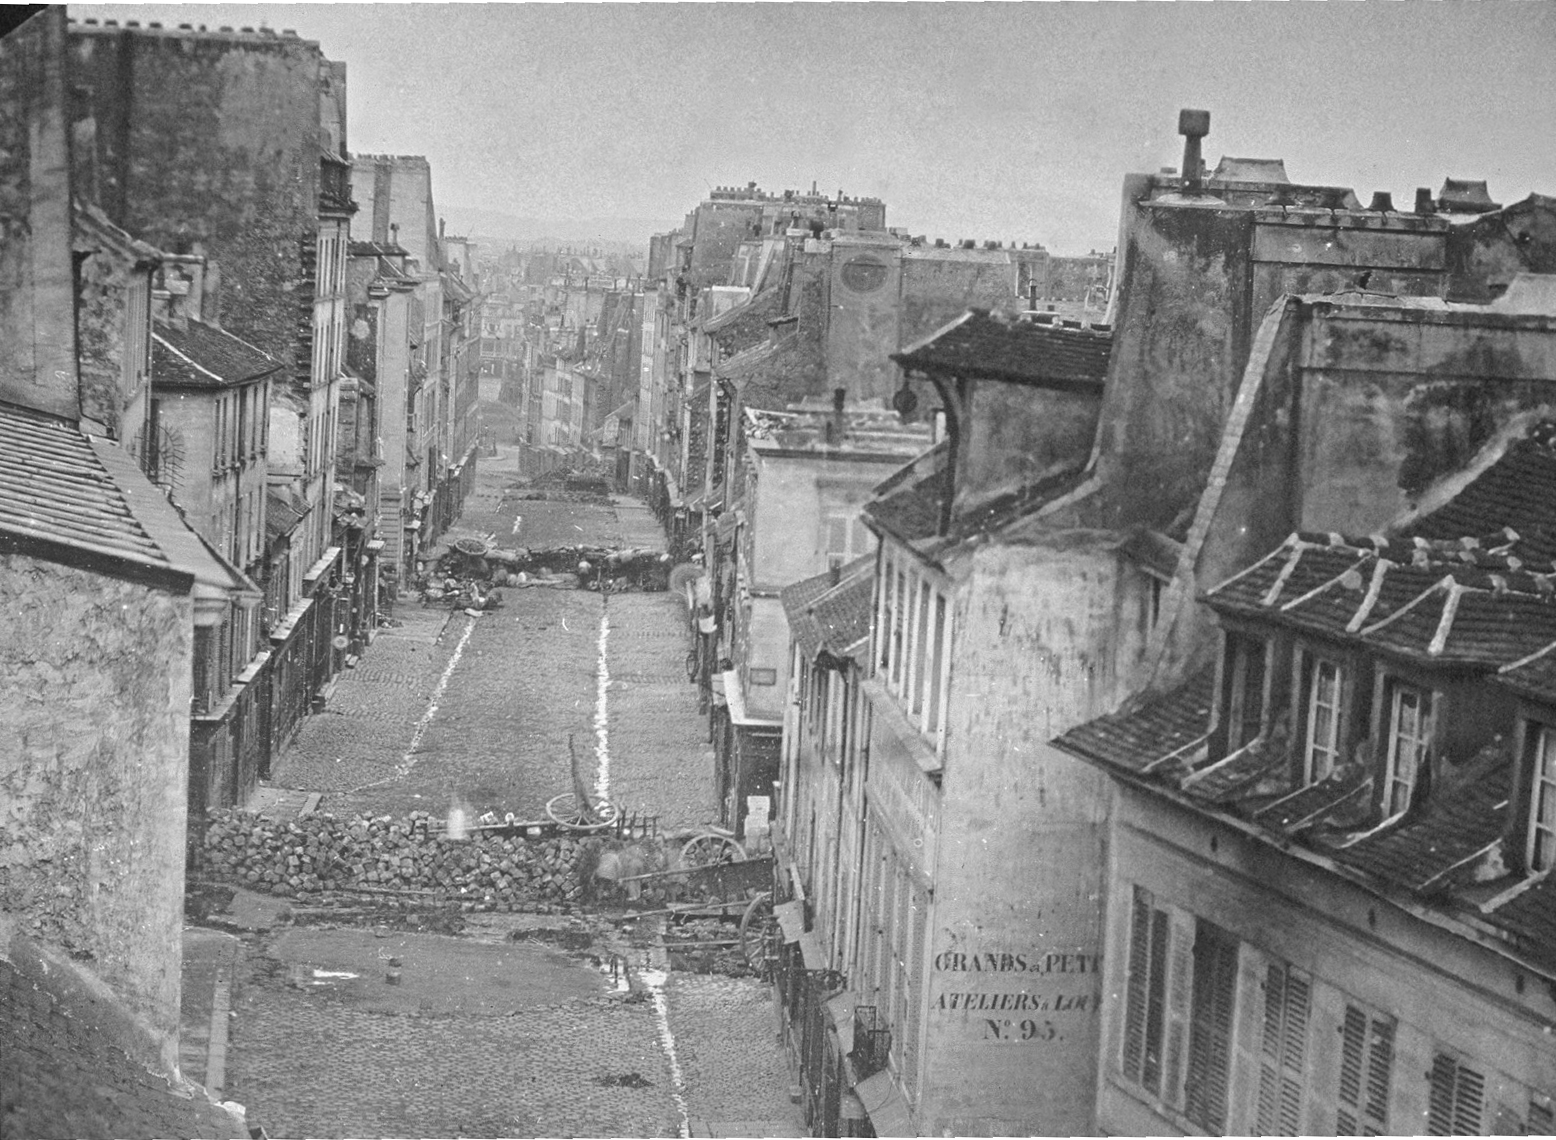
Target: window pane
1542	822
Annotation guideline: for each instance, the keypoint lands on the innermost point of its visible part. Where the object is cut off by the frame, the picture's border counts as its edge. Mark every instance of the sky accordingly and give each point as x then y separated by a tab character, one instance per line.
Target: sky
991	121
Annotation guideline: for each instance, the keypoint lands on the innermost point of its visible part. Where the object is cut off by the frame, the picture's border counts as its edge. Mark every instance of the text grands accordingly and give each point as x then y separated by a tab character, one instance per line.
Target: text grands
957	961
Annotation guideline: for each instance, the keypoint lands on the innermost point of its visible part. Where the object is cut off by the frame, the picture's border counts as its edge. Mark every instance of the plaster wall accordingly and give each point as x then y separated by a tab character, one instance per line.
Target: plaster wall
1016	433
939	285
717	230
37	294
863	282
1392	400
1446	991
1038	649
766	635
794	495
1196	280
94	740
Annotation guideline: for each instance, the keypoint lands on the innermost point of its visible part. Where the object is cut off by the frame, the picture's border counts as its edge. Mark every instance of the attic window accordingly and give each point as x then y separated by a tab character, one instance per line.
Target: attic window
1410	732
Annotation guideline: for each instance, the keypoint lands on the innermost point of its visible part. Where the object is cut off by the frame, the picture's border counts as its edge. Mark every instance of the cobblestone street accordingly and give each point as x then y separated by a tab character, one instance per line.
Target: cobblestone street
487	1036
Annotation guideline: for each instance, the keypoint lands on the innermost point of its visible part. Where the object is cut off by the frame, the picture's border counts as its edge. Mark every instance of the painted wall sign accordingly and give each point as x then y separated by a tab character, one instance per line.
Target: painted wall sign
1002	962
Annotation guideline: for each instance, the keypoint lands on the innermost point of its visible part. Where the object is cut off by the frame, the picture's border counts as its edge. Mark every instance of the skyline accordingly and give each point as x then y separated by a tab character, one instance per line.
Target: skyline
1012	122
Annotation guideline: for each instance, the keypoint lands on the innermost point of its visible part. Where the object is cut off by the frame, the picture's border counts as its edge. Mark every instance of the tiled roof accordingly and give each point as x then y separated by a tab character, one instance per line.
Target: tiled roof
65	1076
984	346
1514	492
1148	728
1429	601
911	512
203	356
1533	676
281	514
1450	829
773	376
832	614
1529	918
54	488
745	325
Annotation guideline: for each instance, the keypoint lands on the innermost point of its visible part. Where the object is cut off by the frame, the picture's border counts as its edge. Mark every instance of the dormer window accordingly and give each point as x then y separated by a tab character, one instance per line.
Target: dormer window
1541	852
1410	731
1321	717
1242	699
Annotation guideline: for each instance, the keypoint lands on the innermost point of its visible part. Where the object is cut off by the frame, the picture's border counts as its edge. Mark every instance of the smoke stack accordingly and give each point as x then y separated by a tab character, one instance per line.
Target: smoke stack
1193	126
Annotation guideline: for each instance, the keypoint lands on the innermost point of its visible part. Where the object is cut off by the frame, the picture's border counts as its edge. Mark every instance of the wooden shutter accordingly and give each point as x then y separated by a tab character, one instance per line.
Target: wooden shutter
1366	1066
1542	1119
1283	1053
913	1028
1135	988
1210	1027
1180	986
1457	1098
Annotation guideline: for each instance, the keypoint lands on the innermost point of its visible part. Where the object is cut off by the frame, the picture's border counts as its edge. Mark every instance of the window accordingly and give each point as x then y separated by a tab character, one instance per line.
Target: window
1323	719
1210	1027
1542	800
1366	1063
1145	1003
1283	1052
1410	730
1243	689
1456	1098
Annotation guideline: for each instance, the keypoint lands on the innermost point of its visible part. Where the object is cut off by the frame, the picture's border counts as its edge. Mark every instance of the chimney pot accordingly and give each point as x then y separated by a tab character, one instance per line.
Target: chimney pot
1425	204
1193	126
1382	202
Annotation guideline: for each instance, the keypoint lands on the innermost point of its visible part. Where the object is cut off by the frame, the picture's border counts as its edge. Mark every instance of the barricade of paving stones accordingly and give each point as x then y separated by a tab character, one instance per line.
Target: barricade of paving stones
323	853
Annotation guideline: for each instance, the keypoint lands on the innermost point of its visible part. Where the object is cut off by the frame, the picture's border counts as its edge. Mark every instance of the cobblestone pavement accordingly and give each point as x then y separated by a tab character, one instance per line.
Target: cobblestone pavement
483	1037
726	1032
478	1039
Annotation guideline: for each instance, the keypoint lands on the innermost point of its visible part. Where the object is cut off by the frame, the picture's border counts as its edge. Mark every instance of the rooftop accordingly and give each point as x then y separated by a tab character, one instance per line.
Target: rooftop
200	355
806	426
81	501
1479	605
831	612
1020	351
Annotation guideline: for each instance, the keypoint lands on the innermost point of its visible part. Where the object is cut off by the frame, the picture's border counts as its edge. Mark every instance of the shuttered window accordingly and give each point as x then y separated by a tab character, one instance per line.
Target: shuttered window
1210	1027
913	1025
1366	1067
1457	1098
1283	1050
1145	997
1542	1119
1542	804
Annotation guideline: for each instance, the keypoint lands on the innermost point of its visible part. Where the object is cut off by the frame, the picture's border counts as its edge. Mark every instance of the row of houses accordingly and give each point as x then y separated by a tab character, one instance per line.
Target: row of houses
1150	710
236	404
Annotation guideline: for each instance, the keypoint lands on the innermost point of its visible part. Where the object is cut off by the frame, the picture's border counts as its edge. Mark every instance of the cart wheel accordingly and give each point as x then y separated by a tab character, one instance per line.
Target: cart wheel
755	926
709	849
579	815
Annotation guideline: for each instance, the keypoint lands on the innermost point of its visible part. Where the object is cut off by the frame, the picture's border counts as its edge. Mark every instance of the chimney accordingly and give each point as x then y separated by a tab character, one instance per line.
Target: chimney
442	228
835	424
1382	202
1193	126
1031	296
1424	201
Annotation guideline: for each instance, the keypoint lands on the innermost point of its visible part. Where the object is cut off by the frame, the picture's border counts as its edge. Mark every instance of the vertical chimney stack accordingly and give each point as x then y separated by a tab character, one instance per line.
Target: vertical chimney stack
835	424
1193	126
1425	204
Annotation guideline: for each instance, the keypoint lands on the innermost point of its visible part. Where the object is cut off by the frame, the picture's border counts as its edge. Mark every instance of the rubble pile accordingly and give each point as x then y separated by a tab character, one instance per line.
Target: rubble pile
323	853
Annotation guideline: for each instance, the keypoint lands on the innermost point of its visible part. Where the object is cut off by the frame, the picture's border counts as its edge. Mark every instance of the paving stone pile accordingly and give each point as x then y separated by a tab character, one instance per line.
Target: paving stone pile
324	853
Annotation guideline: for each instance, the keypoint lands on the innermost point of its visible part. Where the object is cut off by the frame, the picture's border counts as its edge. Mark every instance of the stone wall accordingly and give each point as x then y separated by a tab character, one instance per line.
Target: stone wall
94	738
209	142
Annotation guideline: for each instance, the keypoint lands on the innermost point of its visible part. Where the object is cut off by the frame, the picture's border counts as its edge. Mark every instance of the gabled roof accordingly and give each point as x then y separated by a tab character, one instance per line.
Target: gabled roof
1148	728
1428	601
984	346
200	355
830	612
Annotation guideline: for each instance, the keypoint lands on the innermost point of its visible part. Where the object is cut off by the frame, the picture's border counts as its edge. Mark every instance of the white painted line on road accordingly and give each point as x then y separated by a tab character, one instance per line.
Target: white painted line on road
655	981
409	760
602	741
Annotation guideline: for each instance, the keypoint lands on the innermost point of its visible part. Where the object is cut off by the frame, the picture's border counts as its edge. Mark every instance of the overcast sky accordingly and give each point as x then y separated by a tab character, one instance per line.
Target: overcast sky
986	121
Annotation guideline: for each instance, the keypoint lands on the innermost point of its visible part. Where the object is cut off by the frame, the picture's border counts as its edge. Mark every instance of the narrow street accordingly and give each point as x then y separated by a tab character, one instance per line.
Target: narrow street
504	1024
